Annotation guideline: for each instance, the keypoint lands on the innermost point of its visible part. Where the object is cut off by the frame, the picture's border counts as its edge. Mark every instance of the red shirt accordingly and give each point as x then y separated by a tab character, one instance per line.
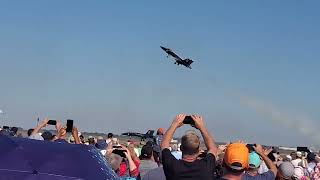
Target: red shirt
123	169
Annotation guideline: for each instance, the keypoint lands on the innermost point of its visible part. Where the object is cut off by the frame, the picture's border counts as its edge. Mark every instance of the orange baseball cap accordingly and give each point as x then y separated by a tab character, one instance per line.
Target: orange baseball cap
160	131
237	156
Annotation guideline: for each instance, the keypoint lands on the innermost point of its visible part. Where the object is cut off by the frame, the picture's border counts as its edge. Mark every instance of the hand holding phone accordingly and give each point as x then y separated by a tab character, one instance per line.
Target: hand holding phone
52	122
189	120
120	152
178	120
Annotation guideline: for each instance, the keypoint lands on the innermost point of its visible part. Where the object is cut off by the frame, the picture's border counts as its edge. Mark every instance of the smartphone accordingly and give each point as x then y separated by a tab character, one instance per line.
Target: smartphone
120	152
69	125
250	147
271	157
303	149
52	122
188	120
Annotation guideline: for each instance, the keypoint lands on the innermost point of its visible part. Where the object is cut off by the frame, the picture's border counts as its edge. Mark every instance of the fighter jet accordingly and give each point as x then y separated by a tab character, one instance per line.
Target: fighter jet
147	136
185	62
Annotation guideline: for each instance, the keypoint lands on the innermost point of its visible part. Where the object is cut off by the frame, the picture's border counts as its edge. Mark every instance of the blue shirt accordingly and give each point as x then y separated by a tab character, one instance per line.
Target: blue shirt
265	176
159	139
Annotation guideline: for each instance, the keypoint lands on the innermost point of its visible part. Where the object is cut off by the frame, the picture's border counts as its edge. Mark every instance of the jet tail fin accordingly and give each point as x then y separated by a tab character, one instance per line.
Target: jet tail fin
188	61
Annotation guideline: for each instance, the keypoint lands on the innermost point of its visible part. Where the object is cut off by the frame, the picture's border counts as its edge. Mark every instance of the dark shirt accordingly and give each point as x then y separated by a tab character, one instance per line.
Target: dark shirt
155	174
181	170
265	176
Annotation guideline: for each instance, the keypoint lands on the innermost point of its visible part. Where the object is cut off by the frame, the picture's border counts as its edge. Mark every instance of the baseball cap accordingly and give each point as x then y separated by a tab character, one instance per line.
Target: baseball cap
286	169
236	156
146	151
254	160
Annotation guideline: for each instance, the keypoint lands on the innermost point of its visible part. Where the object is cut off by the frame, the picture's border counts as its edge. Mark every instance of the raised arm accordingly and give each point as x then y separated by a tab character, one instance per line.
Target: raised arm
75	135
177	122
133	169
258	148
208	140
58	126
60	134
40	126
133	153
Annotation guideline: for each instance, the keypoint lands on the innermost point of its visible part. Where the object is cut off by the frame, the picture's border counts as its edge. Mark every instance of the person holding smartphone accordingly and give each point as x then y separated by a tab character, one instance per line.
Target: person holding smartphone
60	137
129	166
46	135
190	166
255	159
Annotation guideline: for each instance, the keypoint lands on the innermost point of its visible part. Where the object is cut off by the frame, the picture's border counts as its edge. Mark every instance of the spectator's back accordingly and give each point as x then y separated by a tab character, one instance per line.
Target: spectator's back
191	166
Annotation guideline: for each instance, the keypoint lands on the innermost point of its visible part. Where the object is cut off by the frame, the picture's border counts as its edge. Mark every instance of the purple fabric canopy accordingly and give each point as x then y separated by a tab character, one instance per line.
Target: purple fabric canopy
29	159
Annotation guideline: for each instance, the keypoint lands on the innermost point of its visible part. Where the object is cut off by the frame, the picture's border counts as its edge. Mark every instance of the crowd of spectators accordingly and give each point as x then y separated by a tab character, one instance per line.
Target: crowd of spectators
160	159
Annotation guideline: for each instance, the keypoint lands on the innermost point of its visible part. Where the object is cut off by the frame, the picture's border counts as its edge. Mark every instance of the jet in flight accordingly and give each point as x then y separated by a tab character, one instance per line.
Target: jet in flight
185	62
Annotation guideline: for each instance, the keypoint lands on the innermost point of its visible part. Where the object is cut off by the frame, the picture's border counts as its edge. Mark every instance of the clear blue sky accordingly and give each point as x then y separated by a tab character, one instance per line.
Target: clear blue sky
99	63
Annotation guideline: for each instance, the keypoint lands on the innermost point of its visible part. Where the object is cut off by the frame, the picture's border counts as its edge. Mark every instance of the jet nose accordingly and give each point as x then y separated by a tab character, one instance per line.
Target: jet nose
163	48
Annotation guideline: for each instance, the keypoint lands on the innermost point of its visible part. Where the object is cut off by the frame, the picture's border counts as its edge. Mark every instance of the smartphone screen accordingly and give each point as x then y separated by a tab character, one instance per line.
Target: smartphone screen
69	125
52	122
188	120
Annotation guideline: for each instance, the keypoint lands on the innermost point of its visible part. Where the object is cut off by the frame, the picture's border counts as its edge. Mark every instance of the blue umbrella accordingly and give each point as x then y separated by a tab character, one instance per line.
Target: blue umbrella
34	160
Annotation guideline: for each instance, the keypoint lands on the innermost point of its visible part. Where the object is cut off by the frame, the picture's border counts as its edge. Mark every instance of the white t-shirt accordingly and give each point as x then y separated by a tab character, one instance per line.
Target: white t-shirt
296	162
263	168
108	141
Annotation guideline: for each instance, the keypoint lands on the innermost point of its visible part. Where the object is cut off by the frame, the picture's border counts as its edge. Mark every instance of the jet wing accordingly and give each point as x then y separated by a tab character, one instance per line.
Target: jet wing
171	53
